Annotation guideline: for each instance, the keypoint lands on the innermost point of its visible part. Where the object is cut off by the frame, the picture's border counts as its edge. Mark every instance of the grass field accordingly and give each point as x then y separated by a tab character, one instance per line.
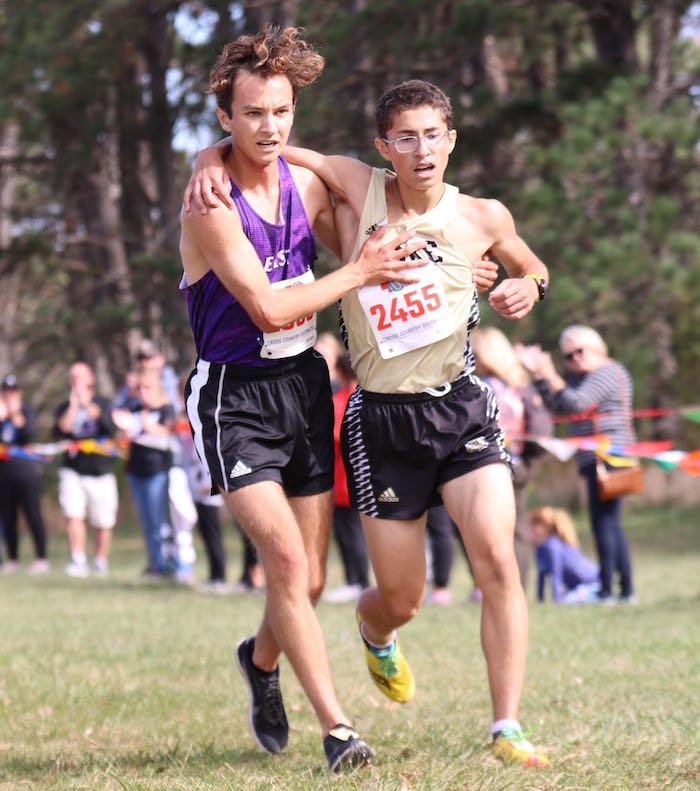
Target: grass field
118	684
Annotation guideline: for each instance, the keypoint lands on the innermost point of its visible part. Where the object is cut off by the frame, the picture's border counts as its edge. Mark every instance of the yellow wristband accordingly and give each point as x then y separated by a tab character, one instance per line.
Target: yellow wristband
541	281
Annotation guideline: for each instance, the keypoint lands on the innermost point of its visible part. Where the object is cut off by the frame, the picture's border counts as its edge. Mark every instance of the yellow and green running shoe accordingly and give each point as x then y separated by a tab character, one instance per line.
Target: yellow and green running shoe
391	673
512	747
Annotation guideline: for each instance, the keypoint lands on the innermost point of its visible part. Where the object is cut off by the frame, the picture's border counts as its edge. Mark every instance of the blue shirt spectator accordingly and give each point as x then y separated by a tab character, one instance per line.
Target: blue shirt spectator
566	566
574	578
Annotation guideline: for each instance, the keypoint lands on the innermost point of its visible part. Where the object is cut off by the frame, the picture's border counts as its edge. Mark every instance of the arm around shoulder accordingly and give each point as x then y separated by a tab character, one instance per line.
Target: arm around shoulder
216	241
344	176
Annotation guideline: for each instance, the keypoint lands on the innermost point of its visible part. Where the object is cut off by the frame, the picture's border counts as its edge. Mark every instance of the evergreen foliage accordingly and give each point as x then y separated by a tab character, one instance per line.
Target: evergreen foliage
581	116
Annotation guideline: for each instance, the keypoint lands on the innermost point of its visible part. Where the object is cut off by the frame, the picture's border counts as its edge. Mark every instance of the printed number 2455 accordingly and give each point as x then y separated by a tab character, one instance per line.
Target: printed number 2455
408	304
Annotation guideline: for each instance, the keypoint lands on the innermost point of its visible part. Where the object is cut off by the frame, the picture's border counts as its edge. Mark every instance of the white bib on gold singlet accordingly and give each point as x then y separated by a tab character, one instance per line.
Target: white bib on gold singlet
405	338
404	317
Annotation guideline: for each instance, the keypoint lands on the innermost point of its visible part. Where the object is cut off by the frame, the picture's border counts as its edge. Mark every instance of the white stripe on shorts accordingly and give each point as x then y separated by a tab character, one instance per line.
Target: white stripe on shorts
224	477
197	384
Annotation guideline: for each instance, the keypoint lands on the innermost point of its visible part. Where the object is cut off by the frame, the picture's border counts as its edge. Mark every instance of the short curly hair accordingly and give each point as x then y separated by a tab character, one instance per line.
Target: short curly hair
271	51
407	96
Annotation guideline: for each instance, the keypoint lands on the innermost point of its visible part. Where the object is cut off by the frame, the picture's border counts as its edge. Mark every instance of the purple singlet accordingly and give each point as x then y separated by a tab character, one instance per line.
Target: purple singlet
223	331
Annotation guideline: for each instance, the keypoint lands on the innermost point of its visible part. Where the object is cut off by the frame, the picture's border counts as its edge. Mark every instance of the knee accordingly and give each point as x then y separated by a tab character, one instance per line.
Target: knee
317	582
497	567
286	567
400	609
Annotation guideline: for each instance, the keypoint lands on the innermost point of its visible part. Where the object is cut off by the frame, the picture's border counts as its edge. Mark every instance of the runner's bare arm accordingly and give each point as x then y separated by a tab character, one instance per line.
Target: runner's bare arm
513	297
217	241
317	202
345	177
209	186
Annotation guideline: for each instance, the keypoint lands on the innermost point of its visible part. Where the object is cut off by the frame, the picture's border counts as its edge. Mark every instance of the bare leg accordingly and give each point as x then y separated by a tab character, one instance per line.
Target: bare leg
313	515
266	515
482	505
103	541
397	552
76	530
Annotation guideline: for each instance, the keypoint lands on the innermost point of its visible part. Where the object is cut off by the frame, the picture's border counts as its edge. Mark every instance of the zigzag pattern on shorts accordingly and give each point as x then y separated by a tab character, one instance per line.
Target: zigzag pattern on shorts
472	321
357	456
492	413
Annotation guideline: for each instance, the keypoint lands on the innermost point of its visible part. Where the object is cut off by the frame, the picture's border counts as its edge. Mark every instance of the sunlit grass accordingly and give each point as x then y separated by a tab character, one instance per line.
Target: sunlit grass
120	684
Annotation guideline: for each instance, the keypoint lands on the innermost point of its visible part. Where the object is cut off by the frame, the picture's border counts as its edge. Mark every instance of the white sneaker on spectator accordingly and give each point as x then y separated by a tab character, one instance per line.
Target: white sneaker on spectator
100	567
74	569
10	567
630	598
39	566
215	588
343	594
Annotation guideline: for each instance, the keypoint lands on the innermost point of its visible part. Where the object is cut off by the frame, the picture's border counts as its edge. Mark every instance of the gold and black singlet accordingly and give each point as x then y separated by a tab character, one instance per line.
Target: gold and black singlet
406	338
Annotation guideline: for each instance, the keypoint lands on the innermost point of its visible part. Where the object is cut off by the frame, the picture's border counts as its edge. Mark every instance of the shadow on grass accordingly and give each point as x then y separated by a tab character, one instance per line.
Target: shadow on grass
111	584
206	758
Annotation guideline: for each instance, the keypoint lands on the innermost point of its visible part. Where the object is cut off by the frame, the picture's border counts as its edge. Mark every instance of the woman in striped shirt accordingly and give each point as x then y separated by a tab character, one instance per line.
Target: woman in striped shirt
598	390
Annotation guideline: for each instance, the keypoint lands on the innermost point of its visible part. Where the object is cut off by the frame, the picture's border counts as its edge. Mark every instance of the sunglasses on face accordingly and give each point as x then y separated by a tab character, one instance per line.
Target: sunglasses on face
569	356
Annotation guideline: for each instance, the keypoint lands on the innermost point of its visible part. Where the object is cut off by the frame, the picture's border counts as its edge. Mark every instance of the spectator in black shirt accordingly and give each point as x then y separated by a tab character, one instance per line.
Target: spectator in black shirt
87	486
149	427
20	478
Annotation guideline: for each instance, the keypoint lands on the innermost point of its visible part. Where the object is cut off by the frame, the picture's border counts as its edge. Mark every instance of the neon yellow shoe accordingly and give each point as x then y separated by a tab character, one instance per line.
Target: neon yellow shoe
512	747
391	673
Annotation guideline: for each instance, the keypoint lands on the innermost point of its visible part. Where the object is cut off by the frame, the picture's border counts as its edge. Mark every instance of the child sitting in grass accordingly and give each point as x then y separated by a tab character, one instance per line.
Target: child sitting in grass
575	578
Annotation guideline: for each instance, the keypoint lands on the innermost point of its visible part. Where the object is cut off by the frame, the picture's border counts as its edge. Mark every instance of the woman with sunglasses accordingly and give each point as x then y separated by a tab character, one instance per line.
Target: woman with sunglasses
597	391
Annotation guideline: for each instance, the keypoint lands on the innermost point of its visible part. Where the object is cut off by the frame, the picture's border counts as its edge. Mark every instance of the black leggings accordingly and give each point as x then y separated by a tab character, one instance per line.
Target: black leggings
347	529
22	492
250	558
441	536
210	528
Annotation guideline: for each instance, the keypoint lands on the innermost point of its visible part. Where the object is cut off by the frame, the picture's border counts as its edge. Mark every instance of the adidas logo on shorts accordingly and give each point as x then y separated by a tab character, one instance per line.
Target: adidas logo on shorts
240	469
388	496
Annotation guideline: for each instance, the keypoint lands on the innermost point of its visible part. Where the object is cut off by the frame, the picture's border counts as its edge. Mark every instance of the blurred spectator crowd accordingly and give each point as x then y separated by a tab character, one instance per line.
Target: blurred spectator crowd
172	495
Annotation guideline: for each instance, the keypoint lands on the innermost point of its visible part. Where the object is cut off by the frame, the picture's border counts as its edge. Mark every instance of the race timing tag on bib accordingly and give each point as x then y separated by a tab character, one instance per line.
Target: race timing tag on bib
296	337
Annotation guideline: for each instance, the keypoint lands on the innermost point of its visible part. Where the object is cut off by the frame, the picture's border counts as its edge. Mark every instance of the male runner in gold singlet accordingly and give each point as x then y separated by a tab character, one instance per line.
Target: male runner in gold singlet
421	427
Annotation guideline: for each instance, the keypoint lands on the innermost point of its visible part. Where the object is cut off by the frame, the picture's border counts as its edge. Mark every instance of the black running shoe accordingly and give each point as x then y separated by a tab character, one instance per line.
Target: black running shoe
266	716
345	750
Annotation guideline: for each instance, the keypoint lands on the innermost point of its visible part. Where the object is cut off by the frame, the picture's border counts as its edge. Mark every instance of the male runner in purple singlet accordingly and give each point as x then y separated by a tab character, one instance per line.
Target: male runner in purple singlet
259	400
421	428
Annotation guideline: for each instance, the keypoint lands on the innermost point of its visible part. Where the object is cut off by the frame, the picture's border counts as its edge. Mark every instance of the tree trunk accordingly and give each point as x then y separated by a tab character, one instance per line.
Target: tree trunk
277	12
158	50
613	29
665	23
9	139
106	182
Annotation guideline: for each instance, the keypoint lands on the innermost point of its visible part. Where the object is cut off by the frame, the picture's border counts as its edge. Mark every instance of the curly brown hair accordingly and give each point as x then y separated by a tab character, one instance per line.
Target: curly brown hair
407	96
271	51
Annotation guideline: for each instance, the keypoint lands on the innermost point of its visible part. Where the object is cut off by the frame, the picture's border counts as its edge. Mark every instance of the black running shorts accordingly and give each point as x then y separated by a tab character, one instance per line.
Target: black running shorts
399	449
264	424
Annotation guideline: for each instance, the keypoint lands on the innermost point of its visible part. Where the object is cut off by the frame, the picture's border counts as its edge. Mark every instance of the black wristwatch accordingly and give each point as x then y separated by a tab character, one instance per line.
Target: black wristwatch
541	285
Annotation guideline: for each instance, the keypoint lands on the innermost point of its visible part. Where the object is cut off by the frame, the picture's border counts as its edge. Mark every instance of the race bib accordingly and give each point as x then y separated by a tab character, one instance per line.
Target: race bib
407	316
296	337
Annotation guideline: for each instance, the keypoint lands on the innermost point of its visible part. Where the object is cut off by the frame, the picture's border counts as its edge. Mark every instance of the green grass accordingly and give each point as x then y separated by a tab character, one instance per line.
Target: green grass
118	684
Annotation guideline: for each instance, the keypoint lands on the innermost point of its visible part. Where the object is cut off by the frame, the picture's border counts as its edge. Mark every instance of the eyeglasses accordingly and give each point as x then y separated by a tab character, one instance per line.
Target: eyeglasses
569	356
408	143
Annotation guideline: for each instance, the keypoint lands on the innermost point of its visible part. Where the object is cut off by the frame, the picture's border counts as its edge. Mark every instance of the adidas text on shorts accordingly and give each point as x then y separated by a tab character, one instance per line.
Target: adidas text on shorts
399	449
